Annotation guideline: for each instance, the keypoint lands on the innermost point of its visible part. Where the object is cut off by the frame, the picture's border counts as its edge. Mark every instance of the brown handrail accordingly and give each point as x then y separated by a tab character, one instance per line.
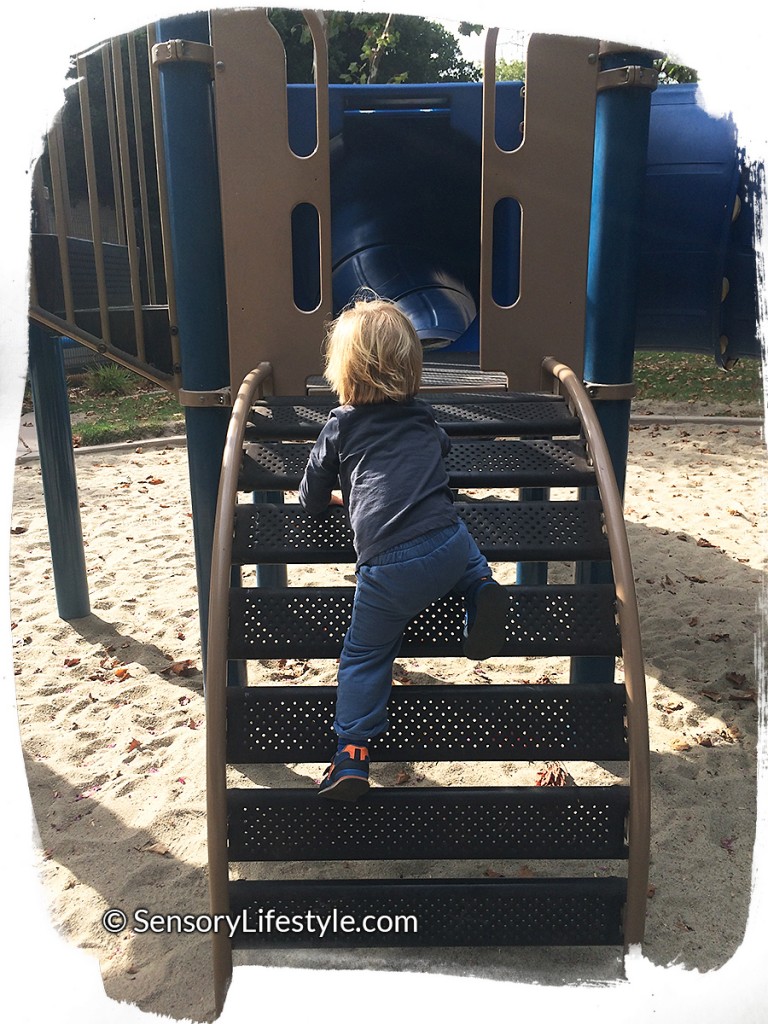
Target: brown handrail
634	666
68	329
216	674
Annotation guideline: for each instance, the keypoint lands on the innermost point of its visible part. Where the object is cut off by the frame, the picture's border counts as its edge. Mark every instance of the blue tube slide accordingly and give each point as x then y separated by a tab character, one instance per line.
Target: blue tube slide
406	213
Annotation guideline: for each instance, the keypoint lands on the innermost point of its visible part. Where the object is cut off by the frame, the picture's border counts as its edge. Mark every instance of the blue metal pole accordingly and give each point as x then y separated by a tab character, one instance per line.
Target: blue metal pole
57	465
618	189
198	262
270	575
533	574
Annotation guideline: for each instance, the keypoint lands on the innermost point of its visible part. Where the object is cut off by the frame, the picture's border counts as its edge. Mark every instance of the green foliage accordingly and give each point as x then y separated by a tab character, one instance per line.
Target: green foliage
110	379
379	40
367	48
510	70
671	73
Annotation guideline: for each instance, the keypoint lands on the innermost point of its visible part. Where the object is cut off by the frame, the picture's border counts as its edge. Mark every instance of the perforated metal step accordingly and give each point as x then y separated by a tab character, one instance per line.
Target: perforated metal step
511	531
279	724
465	912
460	415
310	622
427	823
520	463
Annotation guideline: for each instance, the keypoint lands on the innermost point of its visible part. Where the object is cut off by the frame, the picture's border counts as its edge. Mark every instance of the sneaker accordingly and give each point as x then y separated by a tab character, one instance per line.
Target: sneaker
346	777
485	623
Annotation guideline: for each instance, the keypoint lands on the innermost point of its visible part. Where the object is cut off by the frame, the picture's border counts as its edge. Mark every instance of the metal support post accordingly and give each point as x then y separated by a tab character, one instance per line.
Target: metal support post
625	83
273	575
533	574
57	465
196	246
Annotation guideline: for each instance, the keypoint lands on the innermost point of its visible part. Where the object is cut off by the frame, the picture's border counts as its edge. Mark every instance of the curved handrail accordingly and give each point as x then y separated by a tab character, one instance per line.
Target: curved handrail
216	674
634	666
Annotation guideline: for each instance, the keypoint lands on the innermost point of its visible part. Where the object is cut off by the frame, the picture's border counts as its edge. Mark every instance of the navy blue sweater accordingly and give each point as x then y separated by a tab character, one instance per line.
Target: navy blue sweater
387	458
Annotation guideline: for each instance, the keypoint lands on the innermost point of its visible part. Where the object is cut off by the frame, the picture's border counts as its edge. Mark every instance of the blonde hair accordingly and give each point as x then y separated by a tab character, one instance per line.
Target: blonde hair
372	353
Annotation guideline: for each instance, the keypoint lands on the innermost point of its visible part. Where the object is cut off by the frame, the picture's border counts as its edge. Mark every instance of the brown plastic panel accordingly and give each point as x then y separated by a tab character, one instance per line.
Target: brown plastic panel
262	181
550	175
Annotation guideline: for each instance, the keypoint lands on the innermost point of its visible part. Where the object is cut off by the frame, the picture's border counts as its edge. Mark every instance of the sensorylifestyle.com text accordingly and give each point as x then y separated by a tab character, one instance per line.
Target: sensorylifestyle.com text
271	921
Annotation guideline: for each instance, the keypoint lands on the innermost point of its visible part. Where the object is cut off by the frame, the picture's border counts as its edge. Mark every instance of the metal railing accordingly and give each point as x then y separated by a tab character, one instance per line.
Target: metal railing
99	231
628	617
216	669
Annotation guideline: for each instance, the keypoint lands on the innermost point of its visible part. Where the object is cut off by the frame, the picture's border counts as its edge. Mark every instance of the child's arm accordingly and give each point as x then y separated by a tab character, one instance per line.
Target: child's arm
445	441
321	477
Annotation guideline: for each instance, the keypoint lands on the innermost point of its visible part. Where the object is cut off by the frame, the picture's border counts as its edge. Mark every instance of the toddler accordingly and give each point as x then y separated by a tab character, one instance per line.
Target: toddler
384	449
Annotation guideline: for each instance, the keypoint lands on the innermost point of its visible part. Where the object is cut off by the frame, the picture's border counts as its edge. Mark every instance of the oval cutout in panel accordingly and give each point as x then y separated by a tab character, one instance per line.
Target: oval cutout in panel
507	236
305	256
510	110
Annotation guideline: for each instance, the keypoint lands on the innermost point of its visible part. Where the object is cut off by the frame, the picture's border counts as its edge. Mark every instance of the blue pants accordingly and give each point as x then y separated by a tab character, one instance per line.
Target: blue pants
391	589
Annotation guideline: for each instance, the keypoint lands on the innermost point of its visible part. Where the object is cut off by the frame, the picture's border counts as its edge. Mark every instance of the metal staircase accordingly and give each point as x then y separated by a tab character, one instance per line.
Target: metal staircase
500	441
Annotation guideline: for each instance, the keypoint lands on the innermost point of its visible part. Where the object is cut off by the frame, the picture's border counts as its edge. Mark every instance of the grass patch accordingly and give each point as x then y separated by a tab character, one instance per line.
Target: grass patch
694	377
110	379
144	411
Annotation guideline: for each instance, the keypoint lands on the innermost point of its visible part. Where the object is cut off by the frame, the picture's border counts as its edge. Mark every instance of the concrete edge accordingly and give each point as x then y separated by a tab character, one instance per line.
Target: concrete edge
728	421
175	441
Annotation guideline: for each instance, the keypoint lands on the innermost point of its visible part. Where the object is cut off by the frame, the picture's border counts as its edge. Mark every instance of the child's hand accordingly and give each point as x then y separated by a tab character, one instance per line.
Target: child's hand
336	498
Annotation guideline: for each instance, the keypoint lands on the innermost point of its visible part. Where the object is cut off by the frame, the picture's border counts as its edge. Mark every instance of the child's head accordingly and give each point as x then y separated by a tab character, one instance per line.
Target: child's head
373	354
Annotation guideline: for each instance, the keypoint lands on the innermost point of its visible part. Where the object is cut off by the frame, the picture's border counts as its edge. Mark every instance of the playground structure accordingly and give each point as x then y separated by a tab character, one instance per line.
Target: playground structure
263	237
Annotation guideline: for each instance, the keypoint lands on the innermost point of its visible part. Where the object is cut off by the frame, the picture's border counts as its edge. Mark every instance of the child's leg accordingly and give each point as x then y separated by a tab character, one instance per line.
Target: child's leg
390	592
367	658
476	568
486	605
401	583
